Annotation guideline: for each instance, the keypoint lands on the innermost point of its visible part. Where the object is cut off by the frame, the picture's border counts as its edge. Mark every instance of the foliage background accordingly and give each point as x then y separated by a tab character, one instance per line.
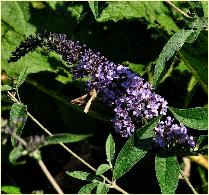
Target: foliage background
130	33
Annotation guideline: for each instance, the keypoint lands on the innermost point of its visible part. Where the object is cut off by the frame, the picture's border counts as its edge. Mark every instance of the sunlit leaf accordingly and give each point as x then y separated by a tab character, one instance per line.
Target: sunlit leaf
196	118
205	8
17	15
102	168
8	189
167	173
83	176
102	188
156	14
87	189
6	88
16	154
18	117
94	8
110	150
22	77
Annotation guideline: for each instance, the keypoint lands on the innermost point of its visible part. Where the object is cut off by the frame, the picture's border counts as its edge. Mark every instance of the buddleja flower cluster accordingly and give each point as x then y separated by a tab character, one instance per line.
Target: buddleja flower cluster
168	133
133	100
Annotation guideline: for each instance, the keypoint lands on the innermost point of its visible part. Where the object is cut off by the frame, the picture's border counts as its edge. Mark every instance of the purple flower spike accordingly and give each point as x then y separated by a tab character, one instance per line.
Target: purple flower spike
167	133
132	98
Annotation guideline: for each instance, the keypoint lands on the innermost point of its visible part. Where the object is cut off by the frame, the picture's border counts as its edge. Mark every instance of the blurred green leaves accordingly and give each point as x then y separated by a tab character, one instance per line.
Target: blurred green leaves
16	26
156	14
17	15
20	19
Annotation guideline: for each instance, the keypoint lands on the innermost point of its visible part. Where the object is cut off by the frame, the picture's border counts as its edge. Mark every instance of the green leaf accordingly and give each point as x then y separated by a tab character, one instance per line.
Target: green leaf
102	168
110	150
173	45
196	118
16	25
15	154
65	138
202	142
35	60
87	189
6	88
205	8
167	173
156	14
17	14
200	23
94	8
10	189
193	36
18	117
197	64
83	176
135	149
22	77
64	79
138	68
102	188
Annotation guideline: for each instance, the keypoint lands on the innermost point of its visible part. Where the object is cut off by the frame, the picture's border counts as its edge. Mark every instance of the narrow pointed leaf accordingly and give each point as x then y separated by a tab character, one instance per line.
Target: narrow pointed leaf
135	149
102	168
197	64
10	189
102	188
6	88
18	117
83	176
167	173
173	45
110	150
65	138
87	189
23	75
94	8
205	8
196	118
202	141
15	154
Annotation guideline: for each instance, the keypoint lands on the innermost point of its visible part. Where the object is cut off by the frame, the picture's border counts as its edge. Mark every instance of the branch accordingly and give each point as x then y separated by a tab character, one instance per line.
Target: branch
114	185
49	176
189	184
177	9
